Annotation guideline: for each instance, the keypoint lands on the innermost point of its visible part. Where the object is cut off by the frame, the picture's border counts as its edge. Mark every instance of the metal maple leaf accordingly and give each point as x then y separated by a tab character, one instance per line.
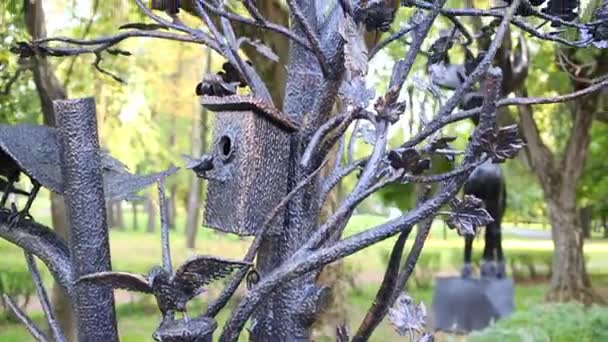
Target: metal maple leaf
388	108
502	144
172	291
406	316
468	214
409	160
356	93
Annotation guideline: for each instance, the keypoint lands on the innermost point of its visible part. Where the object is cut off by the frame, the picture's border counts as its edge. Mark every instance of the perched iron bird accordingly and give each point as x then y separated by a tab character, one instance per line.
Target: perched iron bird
523	10
374	14
564	9
172	291
200	166
9	170
34	151
171	7
231	75
214	85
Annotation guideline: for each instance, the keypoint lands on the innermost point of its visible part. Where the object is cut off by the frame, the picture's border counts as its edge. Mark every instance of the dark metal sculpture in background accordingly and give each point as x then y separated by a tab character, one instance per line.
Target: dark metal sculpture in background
487	183
264	166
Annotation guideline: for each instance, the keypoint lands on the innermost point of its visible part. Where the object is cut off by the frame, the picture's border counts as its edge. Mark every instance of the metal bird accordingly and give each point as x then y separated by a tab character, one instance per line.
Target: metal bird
34	151
214	85
200	166
172	291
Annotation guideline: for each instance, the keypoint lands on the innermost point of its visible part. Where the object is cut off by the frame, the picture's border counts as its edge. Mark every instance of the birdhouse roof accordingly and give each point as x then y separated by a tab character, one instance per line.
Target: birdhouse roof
239	103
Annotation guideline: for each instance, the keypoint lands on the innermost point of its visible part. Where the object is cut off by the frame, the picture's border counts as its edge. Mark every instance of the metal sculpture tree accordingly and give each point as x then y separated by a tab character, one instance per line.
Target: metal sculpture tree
327	64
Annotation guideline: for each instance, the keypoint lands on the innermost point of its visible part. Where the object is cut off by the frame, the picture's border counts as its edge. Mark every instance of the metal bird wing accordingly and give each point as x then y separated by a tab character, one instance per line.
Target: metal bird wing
120	184
35	149
119	280
202	270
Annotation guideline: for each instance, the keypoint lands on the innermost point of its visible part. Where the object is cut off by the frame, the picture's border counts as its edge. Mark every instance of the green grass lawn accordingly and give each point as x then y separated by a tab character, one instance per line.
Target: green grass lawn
136	251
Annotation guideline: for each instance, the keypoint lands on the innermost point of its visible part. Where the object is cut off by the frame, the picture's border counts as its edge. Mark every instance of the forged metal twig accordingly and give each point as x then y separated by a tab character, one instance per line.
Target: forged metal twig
44	299
36	333
164	226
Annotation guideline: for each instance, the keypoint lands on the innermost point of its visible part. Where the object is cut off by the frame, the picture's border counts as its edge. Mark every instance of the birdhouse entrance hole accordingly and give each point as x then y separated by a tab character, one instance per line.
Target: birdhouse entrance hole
225	145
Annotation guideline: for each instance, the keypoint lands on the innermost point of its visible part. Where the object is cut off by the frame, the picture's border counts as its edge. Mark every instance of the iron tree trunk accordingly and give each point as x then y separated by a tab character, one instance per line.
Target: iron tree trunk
279	317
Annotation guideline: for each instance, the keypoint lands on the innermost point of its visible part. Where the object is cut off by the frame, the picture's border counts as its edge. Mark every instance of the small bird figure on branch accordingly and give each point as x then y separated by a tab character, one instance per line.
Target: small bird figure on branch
171	7
223	83
172	291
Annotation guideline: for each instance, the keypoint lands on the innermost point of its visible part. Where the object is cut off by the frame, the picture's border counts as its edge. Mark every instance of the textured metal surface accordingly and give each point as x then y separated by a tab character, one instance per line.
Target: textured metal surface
196	330
248	180
86	209
35	150
463	305
239	103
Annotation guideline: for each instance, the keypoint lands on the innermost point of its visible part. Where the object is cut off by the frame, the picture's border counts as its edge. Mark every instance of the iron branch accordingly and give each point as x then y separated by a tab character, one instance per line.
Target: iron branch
44	243
259	21
44	299
310	34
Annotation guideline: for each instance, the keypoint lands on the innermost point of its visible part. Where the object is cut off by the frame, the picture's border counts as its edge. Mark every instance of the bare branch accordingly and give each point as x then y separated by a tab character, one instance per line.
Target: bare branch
44	299
260	22
164	226
11	81
36	333
311	35
44	243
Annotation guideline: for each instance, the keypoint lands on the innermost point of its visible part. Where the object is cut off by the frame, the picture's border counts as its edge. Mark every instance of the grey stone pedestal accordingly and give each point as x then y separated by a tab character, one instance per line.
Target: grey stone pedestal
461	305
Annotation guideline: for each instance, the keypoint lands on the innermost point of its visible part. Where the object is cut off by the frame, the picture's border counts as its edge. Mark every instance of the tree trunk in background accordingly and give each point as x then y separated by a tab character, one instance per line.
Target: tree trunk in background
151	211
605	225
198	144
559	179
119	215
569	280
585	218
134	215
49	89
199	130
110	214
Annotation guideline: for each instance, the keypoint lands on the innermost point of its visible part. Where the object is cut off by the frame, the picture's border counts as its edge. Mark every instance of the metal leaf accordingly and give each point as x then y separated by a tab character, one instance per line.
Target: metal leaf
388	107
409	160
501	145
406	316
468	214
355	92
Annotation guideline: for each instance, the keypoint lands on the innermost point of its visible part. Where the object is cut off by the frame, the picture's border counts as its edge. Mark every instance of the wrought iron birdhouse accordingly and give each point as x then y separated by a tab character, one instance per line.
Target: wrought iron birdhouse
247	166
